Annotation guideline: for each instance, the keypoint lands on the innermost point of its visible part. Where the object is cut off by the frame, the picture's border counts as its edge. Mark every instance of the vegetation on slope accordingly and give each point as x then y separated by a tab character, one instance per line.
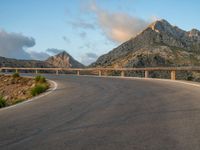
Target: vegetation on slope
40	86
15	89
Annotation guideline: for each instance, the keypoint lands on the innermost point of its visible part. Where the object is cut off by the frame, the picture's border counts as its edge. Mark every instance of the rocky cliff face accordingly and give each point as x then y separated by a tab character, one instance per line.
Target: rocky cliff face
160	44
62	60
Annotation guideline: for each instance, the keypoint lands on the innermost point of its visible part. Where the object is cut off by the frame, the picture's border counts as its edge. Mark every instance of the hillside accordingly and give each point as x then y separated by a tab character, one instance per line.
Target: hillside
62	60
9	62
160	44
15	89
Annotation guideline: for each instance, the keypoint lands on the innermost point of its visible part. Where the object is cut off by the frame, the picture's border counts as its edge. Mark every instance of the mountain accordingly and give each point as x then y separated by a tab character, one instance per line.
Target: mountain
9	62
61	60
160	44
64	60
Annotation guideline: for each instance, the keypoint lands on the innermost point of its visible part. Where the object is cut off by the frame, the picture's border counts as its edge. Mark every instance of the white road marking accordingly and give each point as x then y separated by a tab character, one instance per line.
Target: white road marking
118	77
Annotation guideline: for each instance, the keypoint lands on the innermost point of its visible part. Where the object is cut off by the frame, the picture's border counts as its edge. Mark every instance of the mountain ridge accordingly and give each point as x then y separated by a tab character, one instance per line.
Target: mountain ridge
66	61
160	44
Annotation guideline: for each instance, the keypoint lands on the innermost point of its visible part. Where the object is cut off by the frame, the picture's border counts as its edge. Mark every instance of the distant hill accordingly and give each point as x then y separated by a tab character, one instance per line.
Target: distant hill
160	44
61	60
9	62
64	60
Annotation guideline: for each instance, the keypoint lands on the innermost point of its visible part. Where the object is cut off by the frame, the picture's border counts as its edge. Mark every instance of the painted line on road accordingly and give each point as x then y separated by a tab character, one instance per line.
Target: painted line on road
55	85
53	88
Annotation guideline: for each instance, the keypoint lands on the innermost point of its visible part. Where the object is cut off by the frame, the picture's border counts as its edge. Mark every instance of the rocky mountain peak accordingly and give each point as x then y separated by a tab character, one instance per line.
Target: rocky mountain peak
160	25
164	27
194	33
61	60
167	44
62	54
64	60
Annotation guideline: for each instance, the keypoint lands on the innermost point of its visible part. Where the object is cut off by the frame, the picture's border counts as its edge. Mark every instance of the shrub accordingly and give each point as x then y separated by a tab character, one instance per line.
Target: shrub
40	79
39	88
2	102
16	75
190	78
41	85
18	101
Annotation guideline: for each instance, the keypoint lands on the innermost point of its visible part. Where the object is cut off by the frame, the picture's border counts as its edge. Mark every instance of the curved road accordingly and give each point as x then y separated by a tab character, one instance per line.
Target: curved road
88	113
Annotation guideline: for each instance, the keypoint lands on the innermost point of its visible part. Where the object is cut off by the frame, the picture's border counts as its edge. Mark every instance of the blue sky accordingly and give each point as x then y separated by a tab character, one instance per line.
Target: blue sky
86	28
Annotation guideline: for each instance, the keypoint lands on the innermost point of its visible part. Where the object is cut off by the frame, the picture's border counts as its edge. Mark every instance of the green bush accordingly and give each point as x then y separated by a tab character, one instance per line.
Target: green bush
2	102
39	88
41	85
18	101
40	79
16	75
190	78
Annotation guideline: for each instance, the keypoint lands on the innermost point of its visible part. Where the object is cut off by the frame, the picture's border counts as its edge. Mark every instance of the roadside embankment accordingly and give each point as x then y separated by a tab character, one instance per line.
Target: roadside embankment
15	89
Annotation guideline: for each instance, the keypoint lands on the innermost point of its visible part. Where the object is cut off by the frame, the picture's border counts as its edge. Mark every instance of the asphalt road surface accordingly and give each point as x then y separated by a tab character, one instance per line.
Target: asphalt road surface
88	113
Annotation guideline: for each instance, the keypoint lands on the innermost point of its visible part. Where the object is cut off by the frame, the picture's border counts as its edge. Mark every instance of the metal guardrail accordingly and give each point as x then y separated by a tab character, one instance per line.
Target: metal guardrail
173	70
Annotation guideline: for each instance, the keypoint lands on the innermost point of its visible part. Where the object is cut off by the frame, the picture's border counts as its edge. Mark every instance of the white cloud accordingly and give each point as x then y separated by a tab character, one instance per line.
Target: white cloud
118	26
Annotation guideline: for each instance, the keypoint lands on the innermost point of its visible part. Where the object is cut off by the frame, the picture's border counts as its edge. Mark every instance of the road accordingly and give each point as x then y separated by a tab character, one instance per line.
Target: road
88	113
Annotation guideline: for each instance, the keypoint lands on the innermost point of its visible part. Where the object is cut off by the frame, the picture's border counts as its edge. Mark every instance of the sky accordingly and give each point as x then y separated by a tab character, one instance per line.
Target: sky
86	29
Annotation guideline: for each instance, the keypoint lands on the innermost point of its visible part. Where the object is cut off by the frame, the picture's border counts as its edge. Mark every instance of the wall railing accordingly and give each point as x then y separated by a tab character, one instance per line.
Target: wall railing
173	70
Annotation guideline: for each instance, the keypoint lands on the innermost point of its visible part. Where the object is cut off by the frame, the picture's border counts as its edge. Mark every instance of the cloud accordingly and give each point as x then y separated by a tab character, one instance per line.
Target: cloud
81	24
46	54
88	45
54	51
83	35
88	58
13	45
118	26
66	39
39	55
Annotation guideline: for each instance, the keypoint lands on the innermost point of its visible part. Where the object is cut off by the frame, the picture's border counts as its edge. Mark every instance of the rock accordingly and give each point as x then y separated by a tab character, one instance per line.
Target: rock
6	97
14	91
64	60
9	62
160	44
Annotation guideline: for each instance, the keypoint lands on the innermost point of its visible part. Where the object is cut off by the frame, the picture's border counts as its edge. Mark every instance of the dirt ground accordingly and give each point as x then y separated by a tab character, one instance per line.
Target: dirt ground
15	89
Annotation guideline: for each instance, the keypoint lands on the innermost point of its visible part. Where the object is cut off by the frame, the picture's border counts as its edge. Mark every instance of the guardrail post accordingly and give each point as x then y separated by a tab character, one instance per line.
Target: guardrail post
78	72
146	74
105	73
173	75
57	72
122	73
100	73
